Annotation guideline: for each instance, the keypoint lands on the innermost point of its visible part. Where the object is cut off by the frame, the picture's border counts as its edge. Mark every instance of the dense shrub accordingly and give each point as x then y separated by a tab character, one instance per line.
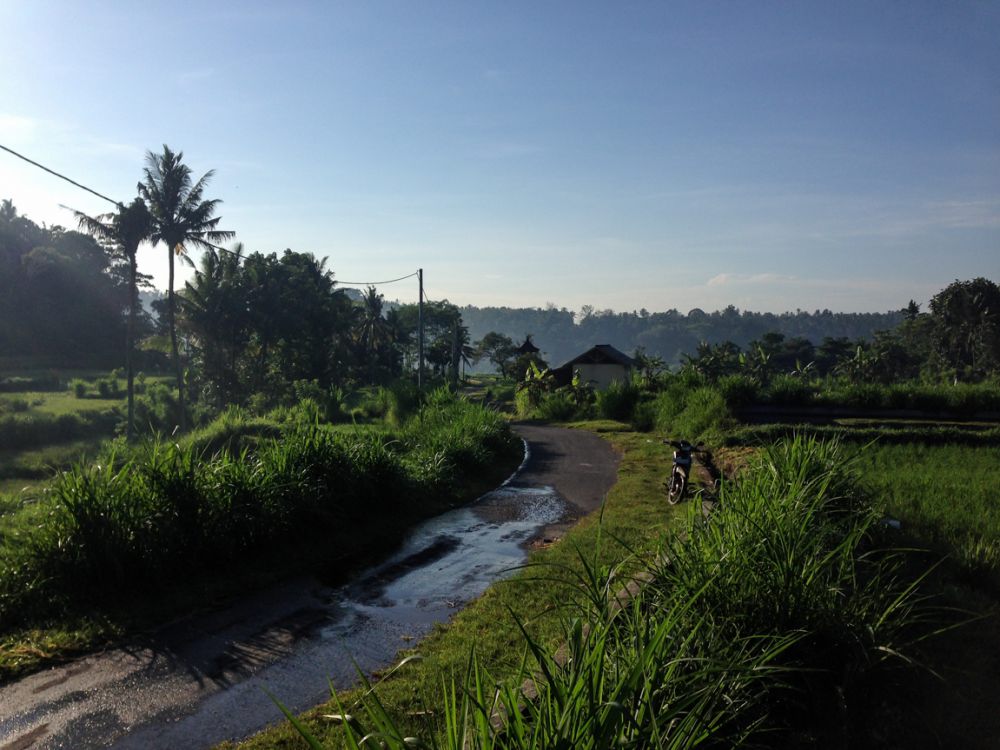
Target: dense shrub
108	388
739	390
788	390
23	431
617	401
80	387
19	384
157	409
644	415
14	405
558	406
699	414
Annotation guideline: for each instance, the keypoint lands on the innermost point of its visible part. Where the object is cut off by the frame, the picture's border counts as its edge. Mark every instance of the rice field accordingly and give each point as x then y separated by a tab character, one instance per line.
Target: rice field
946	494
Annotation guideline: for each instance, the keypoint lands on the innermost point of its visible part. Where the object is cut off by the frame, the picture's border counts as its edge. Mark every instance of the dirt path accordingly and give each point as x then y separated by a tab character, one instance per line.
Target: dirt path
202	680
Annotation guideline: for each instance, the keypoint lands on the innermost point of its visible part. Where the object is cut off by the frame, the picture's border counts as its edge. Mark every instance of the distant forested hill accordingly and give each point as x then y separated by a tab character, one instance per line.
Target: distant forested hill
562	334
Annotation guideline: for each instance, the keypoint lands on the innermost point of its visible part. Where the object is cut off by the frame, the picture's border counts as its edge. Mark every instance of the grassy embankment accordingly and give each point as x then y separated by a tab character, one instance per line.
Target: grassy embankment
143	535
45	430
940	479
783	579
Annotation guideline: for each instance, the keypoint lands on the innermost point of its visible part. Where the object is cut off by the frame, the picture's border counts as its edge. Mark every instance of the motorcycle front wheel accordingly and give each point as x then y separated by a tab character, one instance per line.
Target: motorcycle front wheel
675	490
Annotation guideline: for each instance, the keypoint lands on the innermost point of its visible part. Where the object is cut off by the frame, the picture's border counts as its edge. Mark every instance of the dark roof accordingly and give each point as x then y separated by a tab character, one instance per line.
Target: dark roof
528	347
602	354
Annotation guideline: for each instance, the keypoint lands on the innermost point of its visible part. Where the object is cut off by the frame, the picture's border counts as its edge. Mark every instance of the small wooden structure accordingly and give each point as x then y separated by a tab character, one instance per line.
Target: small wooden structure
599	367
528	347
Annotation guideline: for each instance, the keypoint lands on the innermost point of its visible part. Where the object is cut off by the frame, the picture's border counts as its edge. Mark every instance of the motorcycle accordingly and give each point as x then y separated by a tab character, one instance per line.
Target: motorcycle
681	471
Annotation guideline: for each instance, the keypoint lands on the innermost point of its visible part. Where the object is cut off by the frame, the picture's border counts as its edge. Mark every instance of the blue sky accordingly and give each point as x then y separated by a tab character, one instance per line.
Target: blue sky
625	155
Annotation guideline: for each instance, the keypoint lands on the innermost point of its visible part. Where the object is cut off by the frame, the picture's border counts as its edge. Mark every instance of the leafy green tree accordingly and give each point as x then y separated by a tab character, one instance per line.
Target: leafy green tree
125	229
62	296
831	351
649	366
498	349
373	332
214	313
966	327
181	217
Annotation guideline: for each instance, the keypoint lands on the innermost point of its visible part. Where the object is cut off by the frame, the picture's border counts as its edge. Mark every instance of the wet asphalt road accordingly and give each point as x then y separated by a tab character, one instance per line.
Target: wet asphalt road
203	679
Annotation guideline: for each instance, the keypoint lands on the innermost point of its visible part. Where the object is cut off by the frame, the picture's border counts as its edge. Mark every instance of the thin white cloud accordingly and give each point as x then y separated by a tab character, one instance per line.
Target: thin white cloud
742	279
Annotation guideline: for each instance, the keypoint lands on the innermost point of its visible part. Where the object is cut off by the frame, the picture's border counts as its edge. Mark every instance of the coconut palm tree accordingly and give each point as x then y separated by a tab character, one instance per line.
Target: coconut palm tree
373	332
181	216
127	228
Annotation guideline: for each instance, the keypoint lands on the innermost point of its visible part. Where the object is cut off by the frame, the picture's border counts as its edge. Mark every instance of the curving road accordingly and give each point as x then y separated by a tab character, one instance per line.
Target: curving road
202	680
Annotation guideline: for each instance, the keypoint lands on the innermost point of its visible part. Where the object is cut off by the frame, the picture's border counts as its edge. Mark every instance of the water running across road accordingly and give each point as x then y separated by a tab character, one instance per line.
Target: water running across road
203	680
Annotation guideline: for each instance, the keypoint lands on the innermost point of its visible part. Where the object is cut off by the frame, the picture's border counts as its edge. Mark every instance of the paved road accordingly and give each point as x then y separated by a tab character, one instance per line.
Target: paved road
579	465
199	681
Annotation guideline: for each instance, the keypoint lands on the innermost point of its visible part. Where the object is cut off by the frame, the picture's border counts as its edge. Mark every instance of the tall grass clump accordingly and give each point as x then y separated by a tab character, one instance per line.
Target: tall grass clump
795	546
698	414
142	522
617	401
451	437
558	406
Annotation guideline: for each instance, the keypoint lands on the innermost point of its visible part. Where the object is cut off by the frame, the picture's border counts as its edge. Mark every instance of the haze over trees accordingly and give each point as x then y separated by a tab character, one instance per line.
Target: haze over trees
562	334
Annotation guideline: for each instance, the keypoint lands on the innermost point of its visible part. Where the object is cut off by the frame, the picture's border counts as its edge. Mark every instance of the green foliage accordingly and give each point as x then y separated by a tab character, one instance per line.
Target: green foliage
499	350
79	387
157	410
136	523
558	406
538	381
698	413
109	388
22	431
617	401
13	405
739	390
773	613
61	297
945	492
18	384
788	390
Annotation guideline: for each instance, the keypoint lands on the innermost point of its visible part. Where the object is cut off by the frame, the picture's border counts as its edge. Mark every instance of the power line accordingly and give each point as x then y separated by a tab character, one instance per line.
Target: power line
376	283
60	176
200	242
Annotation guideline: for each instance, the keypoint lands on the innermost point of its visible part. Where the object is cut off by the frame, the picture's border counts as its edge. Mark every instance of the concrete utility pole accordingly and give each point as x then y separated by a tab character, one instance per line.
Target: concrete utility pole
420	331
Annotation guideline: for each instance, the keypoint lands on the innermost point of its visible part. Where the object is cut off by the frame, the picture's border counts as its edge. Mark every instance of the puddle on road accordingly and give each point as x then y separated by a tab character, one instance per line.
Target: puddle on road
444	563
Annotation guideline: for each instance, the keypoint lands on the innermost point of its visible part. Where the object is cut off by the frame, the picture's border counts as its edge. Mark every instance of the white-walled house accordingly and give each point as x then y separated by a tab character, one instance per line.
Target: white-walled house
599	367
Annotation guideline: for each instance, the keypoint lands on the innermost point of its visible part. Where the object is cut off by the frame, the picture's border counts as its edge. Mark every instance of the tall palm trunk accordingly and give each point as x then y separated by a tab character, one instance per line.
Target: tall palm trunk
173	344
133	294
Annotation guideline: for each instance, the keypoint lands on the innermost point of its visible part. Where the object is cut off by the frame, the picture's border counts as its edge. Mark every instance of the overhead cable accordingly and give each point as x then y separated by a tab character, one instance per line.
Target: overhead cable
60	176
200	242
376	283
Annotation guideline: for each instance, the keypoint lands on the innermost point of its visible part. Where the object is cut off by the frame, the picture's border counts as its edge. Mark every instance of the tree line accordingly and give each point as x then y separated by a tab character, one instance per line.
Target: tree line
248	325
562	334
956	340
251	325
